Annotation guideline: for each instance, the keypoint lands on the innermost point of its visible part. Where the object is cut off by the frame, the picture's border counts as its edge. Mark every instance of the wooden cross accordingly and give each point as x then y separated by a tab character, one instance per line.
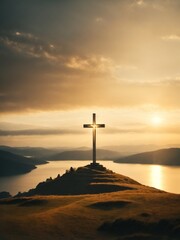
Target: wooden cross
94	125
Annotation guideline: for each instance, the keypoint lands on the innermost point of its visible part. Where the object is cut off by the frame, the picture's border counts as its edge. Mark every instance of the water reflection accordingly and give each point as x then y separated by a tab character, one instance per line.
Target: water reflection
156	176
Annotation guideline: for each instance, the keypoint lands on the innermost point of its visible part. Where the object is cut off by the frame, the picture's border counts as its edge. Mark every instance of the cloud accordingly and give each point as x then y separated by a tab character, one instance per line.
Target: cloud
171	38
125	130
29	45
140	2
157	5
90	63
80	85
33	132
59	55
144	129
99	20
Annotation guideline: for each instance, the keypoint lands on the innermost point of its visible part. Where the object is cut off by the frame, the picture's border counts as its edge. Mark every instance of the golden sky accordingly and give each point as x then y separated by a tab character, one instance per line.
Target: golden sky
60	61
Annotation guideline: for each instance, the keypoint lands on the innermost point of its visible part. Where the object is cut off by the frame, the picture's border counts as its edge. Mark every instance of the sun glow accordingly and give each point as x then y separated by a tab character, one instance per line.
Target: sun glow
156	120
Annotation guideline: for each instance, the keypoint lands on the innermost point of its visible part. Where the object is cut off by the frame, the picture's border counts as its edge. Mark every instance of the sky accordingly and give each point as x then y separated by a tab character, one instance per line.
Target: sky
62	60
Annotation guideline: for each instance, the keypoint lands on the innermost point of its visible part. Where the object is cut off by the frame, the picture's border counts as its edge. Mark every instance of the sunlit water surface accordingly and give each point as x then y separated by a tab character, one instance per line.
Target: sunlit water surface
163	177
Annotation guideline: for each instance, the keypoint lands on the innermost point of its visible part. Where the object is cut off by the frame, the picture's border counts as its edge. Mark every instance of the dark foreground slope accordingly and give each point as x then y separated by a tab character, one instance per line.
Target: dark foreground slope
170	156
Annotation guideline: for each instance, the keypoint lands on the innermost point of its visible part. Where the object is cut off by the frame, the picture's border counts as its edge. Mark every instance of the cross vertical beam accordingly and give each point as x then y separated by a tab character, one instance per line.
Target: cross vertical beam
94	139
94	125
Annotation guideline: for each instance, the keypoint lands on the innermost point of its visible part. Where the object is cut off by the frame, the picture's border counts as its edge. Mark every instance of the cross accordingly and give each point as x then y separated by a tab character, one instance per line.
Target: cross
94	125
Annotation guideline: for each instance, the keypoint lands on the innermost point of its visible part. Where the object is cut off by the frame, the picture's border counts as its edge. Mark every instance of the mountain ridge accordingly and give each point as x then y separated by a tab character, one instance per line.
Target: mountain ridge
167	156
13	164
102	154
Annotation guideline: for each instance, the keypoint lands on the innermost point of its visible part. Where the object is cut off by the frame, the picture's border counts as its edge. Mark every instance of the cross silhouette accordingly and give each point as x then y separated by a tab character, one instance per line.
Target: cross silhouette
94	125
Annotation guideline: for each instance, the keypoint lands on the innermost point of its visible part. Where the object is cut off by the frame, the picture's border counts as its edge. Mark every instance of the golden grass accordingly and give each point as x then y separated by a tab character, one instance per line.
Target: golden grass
73	217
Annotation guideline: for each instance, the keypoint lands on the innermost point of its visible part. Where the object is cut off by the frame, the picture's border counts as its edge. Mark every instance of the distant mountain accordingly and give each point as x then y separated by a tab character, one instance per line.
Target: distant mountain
170	156
127	150
12	164
35	152
84	155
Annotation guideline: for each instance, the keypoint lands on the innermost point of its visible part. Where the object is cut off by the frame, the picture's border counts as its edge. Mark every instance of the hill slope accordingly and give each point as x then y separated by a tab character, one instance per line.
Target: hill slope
12	164
90	179
170	156
136	213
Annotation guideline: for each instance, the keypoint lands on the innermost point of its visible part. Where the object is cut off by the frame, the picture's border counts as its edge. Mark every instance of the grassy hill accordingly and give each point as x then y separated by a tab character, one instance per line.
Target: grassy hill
93	178
12	164
135	212
169	156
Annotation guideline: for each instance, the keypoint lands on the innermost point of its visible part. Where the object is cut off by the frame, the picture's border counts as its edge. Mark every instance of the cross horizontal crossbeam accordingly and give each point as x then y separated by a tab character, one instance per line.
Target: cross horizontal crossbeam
94	125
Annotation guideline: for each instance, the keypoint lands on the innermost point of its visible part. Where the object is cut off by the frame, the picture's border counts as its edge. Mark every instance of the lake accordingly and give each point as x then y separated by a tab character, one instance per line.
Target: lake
163	177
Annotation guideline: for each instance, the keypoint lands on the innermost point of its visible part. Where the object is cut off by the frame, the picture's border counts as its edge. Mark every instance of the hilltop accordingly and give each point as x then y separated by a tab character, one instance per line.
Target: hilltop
169	156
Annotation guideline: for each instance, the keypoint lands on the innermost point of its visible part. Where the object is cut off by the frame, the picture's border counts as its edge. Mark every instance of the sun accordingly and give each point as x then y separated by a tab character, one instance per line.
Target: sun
156	120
